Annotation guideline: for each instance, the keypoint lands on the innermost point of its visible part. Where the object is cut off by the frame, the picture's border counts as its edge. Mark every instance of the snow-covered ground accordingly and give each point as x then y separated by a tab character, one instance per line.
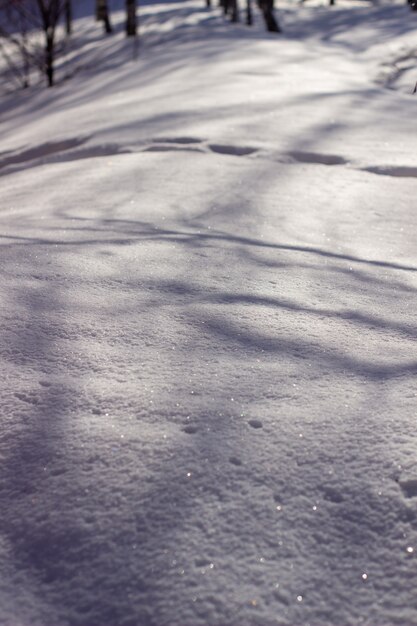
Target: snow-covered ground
208	325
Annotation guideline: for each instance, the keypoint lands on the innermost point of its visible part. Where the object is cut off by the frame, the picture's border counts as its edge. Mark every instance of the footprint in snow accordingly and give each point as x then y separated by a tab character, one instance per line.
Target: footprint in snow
255	423
180	140
232	150
190	429
172	148
409	486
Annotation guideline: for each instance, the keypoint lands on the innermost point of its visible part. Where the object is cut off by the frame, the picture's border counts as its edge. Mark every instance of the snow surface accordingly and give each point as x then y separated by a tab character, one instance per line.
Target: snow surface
208	316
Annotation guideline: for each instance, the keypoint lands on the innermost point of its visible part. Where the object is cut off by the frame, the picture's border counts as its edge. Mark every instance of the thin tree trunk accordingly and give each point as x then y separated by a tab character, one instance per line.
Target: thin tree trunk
234	17
24	50
49	57
267	8
102	15
249	16
131	18
26	69
68	17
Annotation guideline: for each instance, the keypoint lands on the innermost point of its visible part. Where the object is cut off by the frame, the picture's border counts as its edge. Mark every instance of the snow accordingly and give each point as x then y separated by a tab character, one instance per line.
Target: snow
208	332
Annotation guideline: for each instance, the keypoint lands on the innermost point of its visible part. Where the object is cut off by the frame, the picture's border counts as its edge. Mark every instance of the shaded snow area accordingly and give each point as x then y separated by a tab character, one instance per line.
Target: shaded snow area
208	325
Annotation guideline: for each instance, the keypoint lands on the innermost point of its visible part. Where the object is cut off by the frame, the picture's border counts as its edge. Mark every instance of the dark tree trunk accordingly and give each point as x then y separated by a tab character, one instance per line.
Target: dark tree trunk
45	15
208	4
26	69
102	15
249	17
131	18
107	25
49	58
267	8
68	17
234	11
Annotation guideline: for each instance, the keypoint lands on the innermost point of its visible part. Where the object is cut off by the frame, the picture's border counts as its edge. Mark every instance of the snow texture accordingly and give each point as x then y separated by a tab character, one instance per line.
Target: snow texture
208	325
